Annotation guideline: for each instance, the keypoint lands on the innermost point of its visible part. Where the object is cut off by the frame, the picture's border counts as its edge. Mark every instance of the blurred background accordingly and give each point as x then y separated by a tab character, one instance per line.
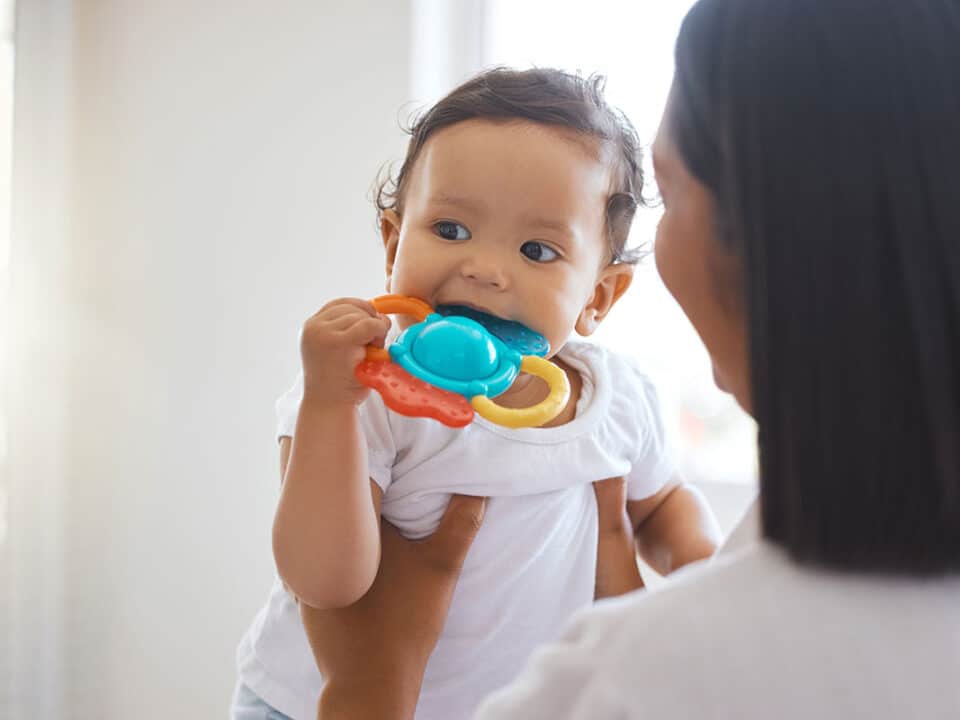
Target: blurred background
181	185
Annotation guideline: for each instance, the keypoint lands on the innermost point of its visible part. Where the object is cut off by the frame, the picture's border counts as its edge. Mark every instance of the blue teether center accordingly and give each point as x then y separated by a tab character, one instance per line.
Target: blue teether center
516	336
457	348
457	354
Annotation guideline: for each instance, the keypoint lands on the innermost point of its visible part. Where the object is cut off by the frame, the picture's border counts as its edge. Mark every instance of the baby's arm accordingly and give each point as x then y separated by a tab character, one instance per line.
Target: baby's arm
326	532
674	527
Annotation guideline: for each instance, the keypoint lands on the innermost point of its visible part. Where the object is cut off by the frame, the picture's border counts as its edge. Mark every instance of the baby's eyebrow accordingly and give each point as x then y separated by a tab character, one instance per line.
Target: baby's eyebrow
550	224
457	200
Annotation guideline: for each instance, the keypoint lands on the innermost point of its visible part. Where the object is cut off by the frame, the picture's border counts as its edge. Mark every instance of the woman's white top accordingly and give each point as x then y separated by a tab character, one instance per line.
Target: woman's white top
752	635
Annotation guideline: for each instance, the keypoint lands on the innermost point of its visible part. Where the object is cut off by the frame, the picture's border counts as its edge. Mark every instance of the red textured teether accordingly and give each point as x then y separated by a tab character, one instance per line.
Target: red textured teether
408	395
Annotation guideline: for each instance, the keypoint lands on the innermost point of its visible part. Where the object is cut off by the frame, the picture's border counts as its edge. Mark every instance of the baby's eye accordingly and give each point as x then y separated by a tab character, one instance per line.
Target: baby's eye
449	230
538	252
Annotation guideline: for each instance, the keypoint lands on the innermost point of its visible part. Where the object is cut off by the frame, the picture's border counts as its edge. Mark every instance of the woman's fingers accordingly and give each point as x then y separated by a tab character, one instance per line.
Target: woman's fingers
617	570
458	528
611	497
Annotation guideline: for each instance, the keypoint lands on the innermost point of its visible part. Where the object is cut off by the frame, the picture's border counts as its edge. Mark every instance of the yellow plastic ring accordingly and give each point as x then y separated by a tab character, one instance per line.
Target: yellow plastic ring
538	414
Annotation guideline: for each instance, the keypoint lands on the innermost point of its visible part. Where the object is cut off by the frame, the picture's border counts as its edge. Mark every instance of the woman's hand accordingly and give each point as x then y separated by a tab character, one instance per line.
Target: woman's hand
617	571
373	653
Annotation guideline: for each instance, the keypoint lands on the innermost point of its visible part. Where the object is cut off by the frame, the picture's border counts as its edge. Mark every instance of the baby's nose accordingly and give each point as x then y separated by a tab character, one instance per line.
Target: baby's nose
484	272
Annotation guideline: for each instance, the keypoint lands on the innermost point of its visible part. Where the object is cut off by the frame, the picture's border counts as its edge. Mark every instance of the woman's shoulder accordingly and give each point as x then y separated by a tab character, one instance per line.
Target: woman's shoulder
635	654
760	583
686	598
757	620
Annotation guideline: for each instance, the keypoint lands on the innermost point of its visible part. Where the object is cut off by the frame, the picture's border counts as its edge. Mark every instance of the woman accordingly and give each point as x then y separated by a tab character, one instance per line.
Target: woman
808	160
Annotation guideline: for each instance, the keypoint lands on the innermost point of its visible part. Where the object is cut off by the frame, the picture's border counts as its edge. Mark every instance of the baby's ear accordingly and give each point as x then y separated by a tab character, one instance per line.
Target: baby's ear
613	281
390	233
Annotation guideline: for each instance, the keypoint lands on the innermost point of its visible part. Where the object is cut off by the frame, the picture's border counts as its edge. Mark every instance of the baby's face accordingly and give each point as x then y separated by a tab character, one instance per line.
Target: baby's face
507	218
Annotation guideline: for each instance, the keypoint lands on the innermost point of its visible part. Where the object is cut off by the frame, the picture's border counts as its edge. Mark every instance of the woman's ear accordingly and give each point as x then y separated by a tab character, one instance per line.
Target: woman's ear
390	233
613	281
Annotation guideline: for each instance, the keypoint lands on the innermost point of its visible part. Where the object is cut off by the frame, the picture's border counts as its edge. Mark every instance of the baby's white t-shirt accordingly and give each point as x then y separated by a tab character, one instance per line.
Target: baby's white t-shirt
533	562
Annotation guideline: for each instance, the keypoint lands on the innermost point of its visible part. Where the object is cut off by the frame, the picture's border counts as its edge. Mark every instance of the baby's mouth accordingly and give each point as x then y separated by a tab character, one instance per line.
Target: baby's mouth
474	312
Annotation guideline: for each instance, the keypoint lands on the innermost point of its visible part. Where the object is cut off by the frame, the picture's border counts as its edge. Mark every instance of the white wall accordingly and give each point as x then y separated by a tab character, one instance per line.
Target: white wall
34	393
213	162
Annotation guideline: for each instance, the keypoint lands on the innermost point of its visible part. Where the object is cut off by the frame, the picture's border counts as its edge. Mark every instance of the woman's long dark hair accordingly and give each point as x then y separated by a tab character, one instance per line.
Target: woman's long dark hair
829	134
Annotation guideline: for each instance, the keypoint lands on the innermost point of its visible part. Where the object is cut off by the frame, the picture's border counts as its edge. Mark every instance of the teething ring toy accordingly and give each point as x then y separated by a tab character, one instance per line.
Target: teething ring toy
539	414
396	305
454	360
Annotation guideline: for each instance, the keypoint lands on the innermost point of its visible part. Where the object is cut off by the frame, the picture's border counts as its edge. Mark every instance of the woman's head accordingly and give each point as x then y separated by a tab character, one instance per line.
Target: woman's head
823	139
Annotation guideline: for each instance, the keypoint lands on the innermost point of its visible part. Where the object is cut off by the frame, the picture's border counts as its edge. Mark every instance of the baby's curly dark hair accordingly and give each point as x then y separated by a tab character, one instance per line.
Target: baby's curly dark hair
549	97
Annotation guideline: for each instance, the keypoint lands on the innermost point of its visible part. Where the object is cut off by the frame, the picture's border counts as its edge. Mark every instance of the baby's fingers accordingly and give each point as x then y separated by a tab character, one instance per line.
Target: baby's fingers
332	315
346	321
372	331
345	304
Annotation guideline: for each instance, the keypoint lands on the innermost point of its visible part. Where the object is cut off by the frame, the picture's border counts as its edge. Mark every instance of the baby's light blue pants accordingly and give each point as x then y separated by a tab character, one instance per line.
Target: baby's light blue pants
246	705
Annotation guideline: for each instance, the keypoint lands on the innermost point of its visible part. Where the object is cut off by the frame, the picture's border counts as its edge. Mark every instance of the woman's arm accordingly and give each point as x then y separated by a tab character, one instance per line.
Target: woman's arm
373	653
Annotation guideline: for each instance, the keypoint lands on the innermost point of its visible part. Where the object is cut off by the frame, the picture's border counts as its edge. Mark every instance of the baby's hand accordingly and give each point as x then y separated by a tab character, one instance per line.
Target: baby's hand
333	342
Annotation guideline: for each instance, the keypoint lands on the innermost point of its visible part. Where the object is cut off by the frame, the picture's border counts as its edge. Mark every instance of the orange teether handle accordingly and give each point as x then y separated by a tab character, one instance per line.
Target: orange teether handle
397	305
402	305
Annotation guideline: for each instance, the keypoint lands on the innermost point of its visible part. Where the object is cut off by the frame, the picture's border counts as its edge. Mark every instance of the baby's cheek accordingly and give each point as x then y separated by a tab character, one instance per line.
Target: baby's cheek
410	280
568	307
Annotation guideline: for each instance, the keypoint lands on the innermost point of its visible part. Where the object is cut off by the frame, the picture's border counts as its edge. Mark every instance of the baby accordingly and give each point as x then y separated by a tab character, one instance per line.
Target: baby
515	199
